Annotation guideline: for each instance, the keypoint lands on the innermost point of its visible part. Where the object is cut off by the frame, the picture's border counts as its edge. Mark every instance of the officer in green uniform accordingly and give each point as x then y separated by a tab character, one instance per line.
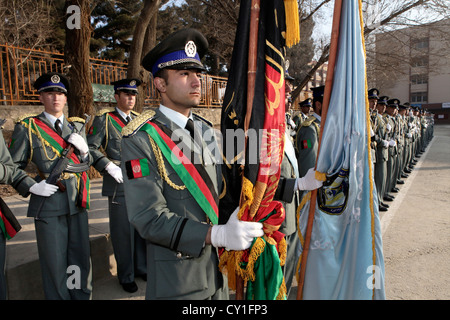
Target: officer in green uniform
389	116
9	173
182	256
381	136
106	134
376	143
61	222
305	107
307	138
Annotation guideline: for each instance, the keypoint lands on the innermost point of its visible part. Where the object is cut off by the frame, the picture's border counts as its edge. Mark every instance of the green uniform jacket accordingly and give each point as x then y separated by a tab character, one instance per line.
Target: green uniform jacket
307	144
9	172
26	146
104	134
381	134
180	265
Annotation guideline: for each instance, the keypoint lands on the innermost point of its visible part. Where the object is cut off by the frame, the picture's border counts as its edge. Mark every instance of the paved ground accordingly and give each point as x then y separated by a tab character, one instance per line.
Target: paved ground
416	234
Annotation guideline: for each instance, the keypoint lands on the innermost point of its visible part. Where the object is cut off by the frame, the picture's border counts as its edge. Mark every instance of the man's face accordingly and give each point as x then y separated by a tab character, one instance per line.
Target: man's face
54	102
381	108
287	93
390	111
373	104
182	89
125	101
306	109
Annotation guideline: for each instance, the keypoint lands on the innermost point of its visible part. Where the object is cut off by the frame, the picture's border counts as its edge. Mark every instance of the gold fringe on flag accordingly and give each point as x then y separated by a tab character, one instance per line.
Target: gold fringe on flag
292	22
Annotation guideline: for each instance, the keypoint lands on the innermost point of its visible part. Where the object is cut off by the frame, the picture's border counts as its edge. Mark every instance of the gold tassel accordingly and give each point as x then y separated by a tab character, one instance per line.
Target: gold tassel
292	22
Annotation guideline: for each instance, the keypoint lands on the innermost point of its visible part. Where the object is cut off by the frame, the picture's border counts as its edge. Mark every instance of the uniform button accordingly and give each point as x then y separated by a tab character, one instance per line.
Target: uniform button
179	255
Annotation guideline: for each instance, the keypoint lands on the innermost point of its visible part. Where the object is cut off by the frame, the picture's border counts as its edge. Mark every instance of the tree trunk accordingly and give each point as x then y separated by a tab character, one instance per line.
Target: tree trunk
144	38
76	57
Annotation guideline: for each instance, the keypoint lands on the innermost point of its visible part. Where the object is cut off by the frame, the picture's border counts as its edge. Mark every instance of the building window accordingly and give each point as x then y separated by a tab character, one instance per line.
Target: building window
419	62
419	79
420	43
419	97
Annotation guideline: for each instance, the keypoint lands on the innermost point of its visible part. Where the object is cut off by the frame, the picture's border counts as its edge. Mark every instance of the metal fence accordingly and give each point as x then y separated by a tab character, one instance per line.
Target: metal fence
20	67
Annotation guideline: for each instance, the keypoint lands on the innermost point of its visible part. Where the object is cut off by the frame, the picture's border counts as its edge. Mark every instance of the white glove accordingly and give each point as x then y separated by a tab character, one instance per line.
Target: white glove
115	172
292	123
309	181
43	189
409	135
385	143
79	143
388	127
371	132
392	143
235	234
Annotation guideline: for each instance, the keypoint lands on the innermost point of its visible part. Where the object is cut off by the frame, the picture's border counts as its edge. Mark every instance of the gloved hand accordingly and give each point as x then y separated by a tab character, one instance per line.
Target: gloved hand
309	181
115	172
392	143
79	143
235	234
385	143
43	189
409	135
292	123
388	127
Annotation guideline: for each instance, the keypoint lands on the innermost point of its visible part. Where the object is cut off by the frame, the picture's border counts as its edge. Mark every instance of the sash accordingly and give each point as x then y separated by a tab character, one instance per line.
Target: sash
194	176
58	144
8	222
116	121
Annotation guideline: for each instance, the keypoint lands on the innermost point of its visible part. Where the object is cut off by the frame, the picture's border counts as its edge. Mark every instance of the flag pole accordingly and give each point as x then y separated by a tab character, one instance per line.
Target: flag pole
251	77
326	101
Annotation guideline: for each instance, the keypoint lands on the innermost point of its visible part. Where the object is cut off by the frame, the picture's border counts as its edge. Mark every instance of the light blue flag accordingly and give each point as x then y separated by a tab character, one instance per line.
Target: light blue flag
345	259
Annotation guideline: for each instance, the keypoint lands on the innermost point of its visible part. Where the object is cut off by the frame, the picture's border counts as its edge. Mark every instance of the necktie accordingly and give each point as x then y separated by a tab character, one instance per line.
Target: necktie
190	127
128	119
58	127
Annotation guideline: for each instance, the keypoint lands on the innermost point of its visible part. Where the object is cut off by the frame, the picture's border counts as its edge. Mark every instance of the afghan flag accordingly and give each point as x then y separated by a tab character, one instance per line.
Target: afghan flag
253	130
344	259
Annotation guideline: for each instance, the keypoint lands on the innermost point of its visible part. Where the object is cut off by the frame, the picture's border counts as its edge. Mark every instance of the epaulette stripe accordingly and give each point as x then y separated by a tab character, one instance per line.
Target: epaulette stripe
105	110
76	119
137	122
23	117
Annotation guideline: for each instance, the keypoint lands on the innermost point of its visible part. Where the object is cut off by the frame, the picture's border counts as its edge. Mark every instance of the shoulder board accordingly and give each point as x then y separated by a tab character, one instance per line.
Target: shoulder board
76	119
135	113
105	110
308	121
134	125
25	116
202	119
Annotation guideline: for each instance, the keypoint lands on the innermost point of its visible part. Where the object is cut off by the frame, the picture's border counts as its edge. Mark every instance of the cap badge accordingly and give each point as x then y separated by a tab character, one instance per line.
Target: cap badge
133	83
190	49
55	79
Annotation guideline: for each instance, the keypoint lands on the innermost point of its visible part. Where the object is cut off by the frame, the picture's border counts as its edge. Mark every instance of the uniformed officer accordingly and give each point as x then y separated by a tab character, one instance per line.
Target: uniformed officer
382	152
105	135
307	138
9	226
172	206
305	107
61	220
376	143
391	109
